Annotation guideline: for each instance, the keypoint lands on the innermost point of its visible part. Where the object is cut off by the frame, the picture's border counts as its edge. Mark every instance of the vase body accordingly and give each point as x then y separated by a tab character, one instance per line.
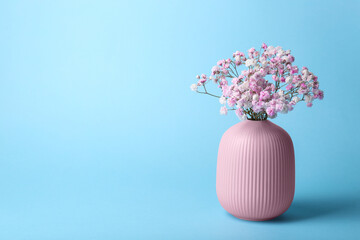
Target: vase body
255	177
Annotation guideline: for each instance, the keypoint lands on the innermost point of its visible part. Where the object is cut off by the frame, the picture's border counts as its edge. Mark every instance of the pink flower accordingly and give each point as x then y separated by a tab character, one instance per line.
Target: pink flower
294	69
264	95
290	107
237	53
290	58
231	102
296	79
264	46
223	82
315	85
270	111
202	81
251	50
258	106
215	70
245	73
309	104
223	110
320	95
303	90
272	87
235	80
226	90
221	62
288	87
239	112
279	107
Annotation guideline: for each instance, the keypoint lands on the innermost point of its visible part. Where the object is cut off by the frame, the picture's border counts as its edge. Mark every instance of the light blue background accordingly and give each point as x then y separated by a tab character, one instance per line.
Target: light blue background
101	137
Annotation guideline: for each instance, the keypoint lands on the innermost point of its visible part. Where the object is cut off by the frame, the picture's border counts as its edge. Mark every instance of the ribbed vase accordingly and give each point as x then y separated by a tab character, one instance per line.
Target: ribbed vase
255	178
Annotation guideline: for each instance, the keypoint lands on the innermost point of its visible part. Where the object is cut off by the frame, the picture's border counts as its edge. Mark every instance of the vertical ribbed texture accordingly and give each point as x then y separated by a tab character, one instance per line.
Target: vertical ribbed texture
255	177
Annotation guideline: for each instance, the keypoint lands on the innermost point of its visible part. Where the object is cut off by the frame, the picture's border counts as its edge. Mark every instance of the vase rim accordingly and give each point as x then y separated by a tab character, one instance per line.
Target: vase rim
252	120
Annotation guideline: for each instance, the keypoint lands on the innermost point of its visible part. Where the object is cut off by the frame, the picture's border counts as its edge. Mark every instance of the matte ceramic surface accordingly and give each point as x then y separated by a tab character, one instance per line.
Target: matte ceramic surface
255	170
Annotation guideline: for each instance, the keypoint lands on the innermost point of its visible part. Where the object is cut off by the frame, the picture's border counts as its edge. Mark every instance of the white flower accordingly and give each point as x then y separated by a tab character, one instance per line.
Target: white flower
288	79
270	50
296	99
280	52
193	87
250	62
222	100
247	105
263	62
308	98
223	110
255	97
246	96
305	73
281	93
285	109
197	76
310	77
244	86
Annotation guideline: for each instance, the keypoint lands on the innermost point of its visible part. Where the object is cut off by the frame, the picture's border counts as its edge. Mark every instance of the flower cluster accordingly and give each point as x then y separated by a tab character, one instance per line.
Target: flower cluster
269	84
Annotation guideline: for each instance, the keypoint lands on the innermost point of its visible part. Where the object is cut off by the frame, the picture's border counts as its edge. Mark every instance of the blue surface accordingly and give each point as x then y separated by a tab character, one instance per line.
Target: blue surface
101	137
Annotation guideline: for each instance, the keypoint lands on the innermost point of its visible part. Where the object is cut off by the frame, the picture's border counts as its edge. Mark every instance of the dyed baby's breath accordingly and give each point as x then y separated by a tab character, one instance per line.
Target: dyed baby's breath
253	96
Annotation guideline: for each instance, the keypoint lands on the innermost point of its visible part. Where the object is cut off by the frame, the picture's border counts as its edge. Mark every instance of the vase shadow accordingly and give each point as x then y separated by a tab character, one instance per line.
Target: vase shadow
305	209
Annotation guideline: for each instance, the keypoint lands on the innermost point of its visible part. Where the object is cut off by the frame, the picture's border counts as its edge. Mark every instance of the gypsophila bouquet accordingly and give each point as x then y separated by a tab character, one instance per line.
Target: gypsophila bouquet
250	94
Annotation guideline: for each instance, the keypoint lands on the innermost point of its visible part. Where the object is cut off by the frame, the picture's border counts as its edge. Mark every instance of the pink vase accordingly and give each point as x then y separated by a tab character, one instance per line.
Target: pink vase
255	178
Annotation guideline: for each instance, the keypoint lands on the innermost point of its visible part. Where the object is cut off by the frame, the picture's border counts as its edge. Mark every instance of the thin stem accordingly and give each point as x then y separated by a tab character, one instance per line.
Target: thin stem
209	94
206	92
234	65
